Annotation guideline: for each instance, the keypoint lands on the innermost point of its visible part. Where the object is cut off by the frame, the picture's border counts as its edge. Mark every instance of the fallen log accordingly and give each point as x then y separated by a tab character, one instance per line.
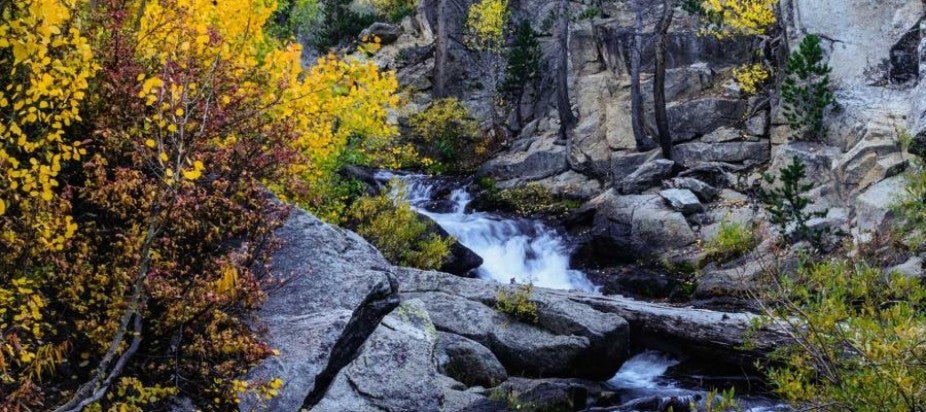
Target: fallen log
737	338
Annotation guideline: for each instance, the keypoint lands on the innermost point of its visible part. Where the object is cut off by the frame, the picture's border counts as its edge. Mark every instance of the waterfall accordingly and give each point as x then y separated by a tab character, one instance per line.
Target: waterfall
512	249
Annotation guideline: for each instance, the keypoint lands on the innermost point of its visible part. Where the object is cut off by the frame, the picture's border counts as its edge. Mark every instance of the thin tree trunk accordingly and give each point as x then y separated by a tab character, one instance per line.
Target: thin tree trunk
659	80
440	51
564	107
636	95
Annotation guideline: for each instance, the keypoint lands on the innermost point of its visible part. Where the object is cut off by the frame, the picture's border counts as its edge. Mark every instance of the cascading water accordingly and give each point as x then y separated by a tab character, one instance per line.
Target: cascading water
528	251
524	250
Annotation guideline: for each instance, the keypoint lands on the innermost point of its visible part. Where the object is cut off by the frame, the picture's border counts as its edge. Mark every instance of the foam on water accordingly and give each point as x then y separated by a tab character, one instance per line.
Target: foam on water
520	249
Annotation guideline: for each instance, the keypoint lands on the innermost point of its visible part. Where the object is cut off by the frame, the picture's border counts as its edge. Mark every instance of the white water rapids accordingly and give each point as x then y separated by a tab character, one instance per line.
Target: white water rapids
528	251
521	249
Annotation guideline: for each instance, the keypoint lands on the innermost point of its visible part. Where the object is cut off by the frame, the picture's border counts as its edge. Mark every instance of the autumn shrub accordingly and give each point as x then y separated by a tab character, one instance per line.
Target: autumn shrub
485	24
446	133
734	239
751	77
397	231
135	203
856	337
516	302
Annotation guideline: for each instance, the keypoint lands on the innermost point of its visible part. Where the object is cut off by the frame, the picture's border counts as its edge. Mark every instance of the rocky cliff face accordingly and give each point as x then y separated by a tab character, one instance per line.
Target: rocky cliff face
723	139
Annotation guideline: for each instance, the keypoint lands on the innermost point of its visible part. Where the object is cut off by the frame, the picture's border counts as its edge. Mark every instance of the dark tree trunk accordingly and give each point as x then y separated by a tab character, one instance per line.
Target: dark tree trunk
440	51
636	95
659	80
566	118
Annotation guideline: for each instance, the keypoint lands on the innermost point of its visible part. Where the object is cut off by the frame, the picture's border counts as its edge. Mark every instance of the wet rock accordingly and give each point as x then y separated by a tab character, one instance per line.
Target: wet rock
682	200
548	394
394	369
636	225
461	260
387	33
648	175
704	191
691	154
468	362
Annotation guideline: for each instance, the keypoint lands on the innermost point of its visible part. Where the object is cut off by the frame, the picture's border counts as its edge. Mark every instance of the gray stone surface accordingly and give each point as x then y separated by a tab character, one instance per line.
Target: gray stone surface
569	340
704	191
468	362
682	200
690	154
393	371
328	275
648	175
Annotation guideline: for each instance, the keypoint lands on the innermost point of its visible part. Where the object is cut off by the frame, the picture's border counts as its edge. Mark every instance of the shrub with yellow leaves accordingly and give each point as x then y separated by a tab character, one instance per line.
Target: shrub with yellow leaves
739	17
751	77
135	202
485	24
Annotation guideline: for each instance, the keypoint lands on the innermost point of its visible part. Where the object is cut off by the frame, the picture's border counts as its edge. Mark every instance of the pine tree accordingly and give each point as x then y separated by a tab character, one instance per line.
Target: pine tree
525	63
806	89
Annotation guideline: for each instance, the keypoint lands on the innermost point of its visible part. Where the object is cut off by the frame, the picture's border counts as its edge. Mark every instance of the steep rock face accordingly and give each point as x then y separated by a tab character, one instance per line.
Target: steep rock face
346	345
325	308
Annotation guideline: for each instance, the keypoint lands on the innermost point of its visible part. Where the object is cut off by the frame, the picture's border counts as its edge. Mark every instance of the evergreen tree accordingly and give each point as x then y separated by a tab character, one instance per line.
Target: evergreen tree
806	89
525	63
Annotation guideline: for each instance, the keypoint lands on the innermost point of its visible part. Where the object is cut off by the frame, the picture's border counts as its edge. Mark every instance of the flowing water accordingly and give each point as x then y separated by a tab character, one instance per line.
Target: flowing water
521	249
525	250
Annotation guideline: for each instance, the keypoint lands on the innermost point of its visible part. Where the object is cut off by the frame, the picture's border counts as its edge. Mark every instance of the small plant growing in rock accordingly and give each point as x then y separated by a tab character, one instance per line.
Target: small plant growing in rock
525	66
397	231
805	91
734	239
517	303
788	206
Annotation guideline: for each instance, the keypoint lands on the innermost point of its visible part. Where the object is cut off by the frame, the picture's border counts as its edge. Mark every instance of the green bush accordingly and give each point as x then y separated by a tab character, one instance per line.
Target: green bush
446	132
910	205
788	206
529	200
805	92
857	338
398	232
517	303
734	239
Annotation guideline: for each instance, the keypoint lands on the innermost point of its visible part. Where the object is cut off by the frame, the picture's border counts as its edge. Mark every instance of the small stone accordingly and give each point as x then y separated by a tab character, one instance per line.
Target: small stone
646	176
704	191
682	200
387	33
757	125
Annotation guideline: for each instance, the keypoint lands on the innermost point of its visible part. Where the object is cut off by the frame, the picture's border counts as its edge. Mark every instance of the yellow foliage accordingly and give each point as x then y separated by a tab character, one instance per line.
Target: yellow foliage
397	231
46	63
750	77
740	17
485	24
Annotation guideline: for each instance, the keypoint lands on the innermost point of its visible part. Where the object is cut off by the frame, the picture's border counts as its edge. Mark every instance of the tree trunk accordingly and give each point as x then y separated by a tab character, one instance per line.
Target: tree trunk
440	51
636	95
564	107
708	334
659	80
